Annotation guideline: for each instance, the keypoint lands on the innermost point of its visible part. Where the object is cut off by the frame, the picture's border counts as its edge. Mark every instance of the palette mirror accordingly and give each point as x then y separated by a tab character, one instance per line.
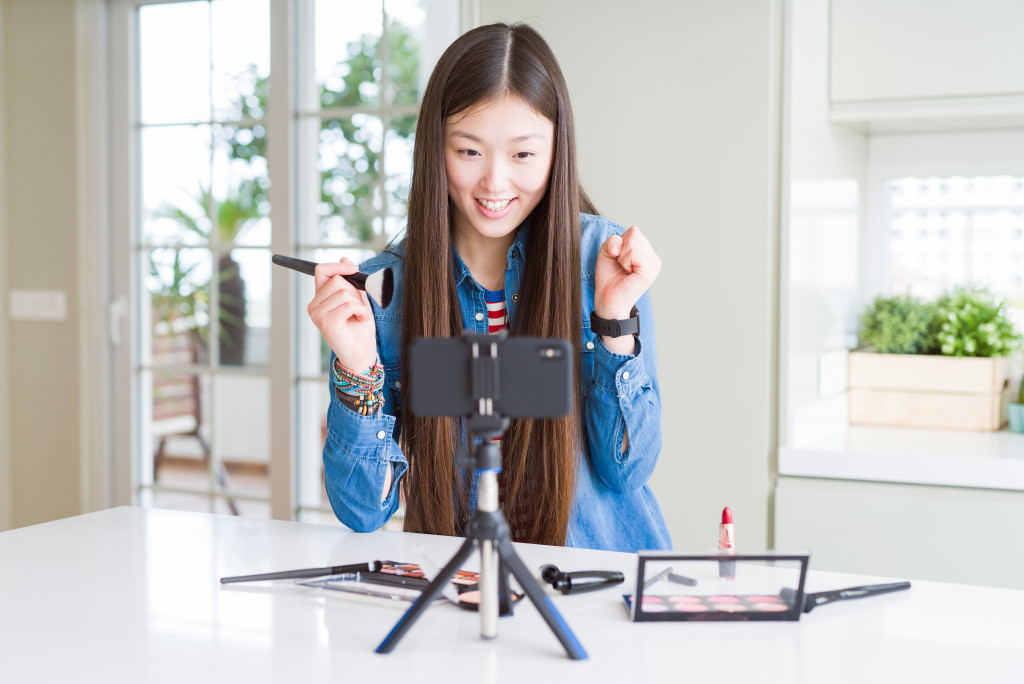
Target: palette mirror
717	586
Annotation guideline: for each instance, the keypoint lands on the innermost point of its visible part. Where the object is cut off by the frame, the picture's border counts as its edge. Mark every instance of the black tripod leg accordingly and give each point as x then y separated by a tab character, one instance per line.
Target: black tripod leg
505	605
528	582
429	594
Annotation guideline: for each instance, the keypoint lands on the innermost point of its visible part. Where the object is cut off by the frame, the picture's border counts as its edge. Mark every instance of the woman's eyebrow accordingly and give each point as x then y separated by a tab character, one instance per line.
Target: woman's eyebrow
517	139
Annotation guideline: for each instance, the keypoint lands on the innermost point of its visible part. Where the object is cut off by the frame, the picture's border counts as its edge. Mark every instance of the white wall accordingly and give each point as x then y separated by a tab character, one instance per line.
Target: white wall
676	130
41	252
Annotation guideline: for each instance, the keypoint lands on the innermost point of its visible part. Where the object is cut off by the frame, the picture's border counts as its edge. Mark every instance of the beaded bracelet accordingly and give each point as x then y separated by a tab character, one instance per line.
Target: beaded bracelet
360	392
365	404
348	382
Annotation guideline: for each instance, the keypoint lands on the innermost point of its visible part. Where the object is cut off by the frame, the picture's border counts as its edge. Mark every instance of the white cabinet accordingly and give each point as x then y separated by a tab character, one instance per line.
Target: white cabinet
926	59
949	534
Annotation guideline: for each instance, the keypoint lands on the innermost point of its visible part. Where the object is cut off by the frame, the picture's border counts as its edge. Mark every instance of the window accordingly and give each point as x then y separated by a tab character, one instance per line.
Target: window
956	230
246	138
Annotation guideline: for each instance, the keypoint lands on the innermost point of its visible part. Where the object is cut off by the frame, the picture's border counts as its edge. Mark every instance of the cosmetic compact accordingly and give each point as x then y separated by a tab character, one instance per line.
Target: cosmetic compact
719	586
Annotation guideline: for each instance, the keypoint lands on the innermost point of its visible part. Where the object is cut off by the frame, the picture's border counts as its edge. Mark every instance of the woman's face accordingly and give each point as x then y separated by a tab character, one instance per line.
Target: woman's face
498	160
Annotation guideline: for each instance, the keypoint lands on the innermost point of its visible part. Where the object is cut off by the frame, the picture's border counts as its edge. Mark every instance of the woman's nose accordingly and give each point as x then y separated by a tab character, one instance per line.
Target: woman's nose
496	177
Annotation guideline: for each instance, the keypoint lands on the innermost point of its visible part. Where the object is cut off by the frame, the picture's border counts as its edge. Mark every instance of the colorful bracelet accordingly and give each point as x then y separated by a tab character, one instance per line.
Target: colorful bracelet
364	404
370	382
363	393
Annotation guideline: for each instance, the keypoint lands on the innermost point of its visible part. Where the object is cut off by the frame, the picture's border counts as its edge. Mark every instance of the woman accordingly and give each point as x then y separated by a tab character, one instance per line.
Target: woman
499	229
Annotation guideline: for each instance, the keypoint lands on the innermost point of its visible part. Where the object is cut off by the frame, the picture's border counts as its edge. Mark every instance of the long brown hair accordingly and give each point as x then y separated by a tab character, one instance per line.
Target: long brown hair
539	456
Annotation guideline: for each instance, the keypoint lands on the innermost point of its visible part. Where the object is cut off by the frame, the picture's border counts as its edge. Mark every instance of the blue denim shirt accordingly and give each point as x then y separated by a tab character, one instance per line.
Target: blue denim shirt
613	508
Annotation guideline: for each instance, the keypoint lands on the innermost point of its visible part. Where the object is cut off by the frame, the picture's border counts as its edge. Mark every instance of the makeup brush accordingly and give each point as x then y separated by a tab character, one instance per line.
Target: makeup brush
822	597
379	285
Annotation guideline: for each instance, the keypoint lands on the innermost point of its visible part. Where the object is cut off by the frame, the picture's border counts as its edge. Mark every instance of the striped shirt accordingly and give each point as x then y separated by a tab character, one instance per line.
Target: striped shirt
497	319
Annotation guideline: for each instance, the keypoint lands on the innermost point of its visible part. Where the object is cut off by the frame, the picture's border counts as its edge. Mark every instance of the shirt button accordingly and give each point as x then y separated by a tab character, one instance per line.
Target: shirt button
590	345
380	434
479	316
625	375
398	384
515	297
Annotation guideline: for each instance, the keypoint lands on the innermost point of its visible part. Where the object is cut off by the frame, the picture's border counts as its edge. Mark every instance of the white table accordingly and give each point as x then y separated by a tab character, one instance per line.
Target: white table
132	595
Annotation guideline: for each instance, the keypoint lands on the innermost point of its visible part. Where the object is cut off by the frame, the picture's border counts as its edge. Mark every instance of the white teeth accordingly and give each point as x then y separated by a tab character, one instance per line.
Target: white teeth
494	206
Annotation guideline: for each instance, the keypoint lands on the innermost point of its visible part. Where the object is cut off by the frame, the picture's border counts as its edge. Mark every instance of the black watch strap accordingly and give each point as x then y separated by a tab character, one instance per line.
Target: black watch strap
616	328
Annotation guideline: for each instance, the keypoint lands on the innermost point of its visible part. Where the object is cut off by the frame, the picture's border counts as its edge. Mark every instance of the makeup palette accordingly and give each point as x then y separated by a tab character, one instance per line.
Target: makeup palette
725	586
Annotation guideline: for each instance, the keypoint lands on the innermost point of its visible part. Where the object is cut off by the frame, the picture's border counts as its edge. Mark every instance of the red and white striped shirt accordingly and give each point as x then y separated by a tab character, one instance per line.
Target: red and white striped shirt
497	316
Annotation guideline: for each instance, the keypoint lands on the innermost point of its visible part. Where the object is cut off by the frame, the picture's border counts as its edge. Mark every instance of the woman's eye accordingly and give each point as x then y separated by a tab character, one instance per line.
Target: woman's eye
523	155
469	153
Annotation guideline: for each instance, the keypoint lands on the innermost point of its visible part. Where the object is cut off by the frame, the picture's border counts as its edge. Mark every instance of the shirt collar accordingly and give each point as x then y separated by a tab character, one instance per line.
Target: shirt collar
515	251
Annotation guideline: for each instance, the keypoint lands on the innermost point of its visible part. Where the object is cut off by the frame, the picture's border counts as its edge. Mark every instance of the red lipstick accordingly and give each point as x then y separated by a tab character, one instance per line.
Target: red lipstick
727	543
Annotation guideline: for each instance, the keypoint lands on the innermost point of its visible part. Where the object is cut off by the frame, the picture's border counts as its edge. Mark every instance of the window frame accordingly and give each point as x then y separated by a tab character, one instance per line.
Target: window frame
290	26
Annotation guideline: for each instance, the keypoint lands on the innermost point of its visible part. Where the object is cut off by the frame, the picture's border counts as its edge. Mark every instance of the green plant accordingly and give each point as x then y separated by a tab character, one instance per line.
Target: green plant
898	325
973	322
963	321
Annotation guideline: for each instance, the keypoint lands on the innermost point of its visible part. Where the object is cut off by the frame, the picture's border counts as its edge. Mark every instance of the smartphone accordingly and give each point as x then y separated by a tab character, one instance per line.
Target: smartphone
527	377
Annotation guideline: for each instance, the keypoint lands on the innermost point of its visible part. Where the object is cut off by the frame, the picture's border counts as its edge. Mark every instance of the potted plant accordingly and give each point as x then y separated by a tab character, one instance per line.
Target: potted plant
941	364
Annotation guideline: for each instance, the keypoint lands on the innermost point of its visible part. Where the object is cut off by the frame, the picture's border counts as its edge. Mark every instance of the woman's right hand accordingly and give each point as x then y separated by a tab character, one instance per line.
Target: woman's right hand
344	317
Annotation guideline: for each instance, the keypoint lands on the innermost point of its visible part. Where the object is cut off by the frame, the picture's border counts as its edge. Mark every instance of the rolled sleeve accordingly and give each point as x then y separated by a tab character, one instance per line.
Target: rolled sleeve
358	452
624	407
622	375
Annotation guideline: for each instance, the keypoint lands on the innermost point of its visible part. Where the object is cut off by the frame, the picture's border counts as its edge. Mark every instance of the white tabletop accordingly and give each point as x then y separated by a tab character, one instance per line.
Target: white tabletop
132	595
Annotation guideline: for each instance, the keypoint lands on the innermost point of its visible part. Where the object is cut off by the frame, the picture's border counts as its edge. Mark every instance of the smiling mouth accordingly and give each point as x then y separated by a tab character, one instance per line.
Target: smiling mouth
494	205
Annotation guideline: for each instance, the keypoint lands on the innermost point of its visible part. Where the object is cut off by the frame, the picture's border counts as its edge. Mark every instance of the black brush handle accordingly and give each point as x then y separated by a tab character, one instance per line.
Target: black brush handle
823	597
305	572
309	268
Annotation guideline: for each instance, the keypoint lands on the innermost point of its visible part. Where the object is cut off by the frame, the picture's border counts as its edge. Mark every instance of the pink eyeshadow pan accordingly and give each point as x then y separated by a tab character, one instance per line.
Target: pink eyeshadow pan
723	599
730	607
771	607
684	599
690	607
763	599
654	607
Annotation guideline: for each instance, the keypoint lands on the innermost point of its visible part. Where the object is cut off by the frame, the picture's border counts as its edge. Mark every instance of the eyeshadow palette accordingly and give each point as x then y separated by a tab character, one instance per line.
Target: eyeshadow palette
718	587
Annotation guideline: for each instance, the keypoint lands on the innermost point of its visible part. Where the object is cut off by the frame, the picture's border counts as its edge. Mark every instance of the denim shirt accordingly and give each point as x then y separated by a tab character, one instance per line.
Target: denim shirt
613	508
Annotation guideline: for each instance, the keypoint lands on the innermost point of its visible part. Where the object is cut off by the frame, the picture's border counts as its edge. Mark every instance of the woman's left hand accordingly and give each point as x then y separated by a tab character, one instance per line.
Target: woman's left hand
626	268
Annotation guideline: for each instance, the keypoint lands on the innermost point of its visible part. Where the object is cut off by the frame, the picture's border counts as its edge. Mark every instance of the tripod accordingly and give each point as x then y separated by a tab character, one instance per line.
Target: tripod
489	531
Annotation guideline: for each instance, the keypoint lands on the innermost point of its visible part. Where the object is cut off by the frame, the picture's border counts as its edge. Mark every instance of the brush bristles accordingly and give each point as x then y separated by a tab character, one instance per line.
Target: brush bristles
381	286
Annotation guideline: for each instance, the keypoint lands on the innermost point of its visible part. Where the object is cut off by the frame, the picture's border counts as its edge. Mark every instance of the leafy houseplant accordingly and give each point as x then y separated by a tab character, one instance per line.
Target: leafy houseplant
939	364
962	322
899	325
972	322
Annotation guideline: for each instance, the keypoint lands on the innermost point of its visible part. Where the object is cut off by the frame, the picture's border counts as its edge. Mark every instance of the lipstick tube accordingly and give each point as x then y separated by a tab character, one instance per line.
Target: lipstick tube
727	543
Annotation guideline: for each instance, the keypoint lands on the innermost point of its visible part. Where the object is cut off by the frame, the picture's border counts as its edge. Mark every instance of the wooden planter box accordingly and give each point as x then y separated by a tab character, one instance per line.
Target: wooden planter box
906	390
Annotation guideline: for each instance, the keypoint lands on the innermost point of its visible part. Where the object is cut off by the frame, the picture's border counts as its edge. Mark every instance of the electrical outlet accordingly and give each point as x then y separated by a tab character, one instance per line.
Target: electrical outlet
38	305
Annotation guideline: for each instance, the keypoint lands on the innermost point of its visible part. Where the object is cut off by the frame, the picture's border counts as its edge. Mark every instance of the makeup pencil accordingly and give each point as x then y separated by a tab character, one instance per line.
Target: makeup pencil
372	566
379	285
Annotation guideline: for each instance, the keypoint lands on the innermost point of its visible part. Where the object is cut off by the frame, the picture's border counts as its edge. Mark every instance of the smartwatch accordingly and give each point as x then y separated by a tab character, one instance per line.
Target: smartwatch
616	328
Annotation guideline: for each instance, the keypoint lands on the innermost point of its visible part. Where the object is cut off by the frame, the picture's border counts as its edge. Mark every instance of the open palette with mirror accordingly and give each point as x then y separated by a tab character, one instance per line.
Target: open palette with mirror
717	586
